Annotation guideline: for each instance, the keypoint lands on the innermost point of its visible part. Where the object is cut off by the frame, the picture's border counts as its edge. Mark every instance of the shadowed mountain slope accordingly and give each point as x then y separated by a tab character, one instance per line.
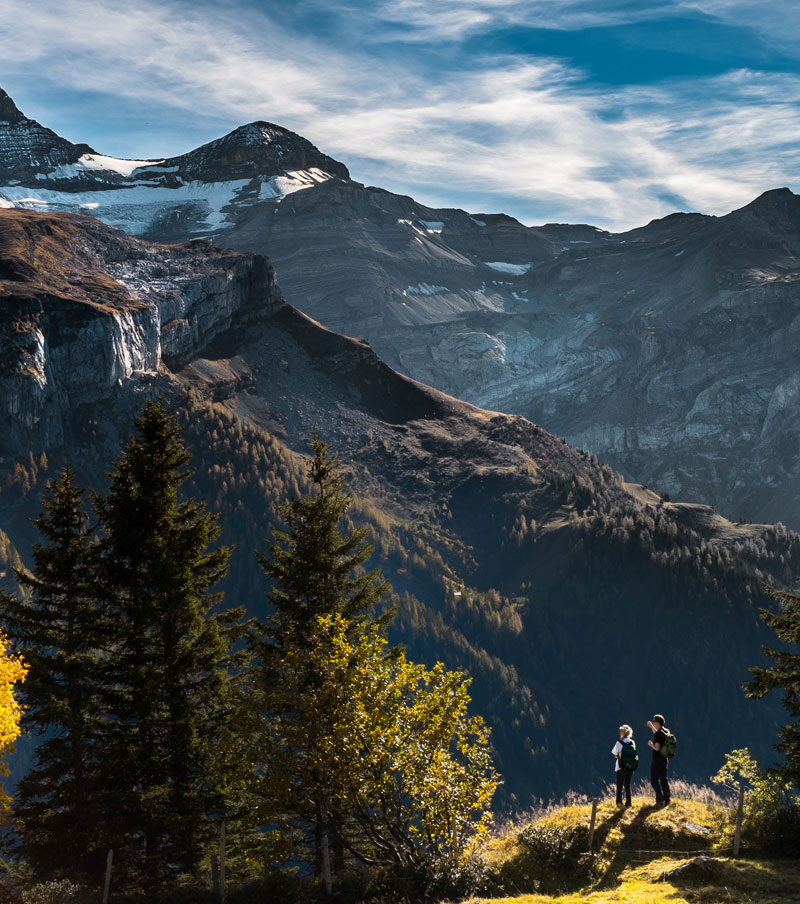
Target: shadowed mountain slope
575	601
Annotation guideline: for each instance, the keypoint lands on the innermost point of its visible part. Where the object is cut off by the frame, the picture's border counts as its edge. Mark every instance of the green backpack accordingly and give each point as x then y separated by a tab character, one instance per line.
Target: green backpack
670	743
629	758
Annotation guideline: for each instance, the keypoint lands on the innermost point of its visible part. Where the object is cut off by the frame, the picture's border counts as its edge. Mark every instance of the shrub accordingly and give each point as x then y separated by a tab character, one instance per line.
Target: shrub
441	879
55	891
771	805
554	847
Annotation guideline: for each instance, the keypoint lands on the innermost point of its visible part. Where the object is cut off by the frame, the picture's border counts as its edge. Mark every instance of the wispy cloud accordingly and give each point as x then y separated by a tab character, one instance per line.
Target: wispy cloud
454	19
527	135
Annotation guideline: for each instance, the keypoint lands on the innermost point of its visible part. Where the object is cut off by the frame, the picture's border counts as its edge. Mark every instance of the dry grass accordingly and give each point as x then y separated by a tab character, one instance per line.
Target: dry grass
46	254
740	882
634	849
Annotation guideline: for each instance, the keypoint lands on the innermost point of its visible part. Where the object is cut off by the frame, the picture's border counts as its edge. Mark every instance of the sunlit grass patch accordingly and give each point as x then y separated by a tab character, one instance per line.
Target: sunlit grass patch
740	882
545	857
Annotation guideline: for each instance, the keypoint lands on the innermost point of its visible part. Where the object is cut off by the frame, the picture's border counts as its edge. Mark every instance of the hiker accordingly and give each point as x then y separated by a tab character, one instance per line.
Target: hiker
658	768
627	761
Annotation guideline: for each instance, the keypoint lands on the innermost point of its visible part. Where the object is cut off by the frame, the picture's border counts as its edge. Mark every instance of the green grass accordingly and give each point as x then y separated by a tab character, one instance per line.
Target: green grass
633	851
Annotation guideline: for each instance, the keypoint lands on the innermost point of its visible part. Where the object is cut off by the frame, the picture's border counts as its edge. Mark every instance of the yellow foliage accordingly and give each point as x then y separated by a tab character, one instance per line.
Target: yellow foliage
12	673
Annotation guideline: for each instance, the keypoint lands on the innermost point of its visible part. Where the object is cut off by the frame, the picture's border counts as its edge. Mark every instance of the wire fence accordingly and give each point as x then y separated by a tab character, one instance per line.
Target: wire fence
636	855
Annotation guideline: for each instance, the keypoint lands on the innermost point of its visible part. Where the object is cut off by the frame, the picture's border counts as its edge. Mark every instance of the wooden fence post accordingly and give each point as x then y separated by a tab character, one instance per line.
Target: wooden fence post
107	884
222	863
591	825
737	835
326	864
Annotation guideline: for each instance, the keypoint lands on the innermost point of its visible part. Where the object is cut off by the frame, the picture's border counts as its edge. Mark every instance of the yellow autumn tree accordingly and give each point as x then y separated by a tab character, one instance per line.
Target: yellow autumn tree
379	750
12	673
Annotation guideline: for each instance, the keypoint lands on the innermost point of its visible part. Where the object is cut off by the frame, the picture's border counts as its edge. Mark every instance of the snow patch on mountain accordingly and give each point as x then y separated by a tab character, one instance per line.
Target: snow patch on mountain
97	164
425	289
502	267
423	227
135	207
294	180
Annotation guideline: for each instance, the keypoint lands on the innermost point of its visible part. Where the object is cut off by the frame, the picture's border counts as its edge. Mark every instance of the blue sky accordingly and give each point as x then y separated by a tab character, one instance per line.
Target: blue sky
608	112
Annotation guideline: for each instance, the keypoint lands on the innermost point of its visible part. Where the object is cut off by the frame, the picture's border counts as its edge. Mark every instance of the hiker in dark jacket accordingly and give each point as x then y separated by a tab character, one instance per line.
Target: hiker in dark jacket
658	768
625	752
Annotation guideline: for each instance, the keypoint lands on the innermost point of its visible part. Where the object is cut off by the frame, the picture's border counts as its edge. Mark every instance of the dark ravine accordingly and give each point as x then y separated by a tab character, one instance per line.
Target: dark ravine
668	351
513	556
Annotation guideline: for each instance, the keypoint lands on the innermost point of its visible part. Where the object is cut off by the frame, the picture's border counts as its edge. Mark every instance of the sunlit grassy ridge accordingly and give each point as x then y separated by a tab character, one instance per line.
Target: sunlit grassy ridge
545	861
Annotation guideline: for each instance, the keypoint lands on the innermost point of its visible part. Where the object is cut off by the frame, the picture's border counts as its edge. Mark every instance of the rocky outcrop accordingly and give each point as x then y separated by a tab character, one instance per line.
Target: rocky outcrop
27	149
98	309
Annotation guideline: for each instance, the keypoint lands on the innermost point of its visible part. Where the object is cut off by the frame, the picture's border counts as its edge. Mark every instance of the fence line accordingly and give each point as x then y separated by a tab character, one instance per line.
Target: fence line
707	852
684	853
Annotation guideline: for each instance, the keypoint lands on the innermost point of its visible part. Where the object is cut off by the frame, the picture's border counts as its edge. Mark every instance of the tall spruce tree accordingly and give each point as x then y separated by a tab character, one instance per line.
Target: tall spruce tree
315	569
57	623
170	655
314	566
783	675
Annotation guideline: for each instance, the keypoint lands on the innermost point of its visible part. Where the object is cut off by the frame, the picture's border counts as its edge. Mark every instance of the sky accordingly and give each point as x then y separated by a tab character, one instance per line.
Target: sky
609	112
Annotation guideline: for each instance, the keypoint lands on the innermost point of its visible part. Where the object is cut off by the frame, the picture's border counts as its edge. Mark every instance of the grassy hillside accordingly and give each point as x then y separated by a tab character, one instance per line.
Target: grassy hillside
636	854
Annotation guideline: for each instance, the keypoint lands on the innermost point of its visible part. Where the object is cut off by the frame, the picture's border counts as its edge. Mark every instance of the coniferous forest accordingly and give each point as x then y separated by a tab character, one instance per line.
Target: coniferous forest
164	714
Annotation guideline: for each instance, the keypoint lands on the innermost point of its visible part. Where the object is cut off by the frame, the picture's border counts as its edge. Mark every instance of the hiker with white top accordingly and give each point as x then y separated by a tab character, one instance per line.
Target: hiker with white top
627	760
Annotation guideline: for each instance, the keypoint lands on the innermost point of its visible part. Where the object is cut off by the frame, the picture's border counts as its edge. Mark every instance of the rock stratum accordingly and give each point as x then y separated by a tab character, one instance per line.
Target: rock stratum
526	563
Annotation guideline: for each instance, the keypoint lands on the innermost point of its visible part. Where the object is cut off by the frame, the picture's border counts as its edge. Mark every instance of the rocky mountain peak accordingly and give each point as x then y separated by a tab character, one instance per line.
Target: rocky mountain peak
255	149
28	150
780	206
8	109
261	132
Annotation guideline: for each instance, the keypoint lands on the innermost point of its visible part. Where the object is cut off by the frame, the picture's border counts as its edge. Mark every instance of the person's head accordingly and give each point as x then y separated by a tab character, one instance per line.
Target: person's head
625	731
659	720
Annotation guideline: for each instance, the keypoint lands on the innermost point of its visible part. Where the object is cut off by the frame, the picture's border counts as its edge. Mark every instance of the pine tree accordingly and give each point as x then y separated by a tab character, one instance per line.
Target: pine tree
314	566
316	571
783	675
58	624
170	656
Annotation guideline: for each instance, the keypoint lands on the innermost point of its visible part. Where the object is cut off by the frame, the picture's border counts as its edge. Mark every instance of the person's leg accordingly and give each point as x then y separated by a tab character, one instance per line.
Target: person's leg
628	777
655	781
619	776
664	783
662	786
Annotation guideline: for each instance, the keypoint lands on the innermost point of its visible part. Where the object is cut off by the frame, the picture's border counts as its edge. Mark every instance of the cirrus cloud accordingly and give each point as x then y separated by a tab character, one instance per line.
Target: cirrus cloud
528	134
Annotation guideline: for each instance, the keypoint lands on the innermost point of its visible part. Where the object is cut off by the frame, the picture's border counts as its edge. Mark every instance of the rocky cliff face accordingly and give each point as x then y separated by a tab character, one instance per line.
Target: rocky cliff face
667	351
86	309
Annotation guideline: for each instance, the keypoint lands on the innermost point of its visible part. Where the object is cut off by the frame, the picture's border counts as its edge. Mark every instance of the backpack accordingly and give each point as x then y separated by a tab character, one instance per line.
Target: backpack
629	758
670	742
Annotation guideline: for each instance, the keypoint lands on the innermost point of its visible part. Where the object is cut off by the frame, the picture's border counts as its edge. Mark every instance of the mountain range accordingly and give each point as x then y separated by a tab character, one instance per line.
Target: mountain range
573	599
667	351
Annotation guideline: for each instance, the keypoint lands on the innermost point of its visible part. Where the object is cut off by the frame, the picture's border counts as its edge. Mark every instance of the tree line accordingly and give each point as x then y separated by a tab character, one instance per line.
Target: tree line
161	713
